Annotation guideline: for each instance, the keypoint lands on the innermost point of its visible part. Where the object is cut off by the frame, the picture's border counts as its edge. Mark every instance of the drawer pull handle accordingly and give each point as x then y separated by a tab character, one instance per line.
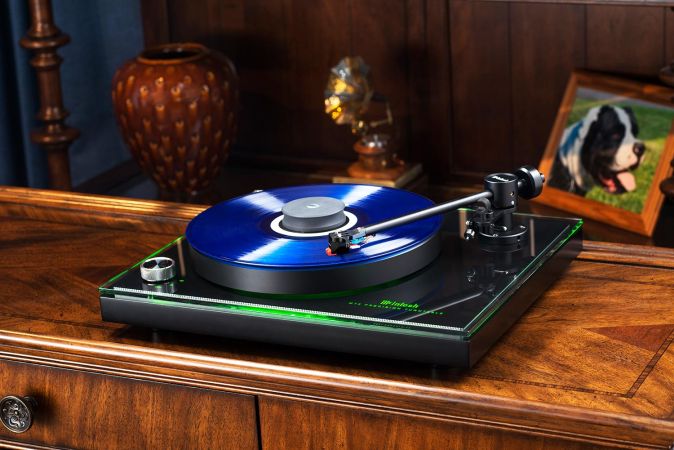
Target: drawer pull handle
16	413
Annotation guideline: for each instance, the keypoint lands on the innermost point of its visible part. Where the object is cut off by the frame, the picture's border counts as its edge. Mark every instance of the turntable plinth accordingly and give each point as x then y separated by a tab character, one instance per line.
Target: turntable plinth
590	365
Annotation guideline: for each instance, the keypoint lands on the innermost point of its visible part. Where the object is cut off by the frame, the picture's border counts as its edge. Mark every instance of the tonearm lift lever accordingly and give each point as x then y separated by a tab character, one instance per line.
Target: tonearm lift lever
490	219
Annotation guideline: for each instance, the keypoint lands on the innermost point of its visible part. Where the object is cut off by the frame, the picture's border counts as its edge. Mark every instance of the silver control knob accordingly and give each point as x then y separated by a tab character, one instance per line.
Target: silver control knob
158	269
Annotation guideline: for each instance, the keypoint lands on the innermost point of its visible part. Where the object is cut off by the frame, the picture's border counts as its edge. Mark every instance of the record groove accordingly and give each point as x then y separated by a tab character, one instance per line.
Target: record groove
233	243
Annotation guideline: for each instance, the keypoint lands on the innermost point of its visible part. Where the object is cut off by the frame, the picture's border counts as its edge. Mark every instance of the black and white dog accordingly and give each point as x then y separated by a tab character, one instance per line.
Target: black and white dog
601	149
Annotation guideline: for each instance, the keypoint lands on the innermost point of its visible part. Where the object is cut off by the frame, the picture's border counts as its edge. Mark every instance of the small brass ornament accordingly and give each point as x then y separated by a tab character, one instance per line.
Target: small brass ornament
348	100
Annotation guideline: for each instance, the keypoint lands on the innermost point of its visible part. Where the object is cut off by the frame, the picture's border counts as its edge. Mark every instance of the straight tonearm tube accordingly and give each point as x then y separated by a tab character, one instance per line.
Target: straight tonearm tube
491	218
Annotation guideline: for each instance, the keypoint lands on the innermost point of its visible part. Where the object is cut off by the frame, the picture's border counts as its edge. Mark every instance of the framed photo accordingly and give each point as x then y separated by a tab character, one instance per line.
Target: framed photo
609	149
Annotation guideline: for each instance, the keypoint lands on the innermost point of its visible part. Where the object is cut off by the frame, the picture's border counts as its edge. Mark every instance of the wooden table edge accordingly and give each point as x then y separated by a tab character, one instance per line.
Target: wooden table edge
266	379
166	217
248	377
151	216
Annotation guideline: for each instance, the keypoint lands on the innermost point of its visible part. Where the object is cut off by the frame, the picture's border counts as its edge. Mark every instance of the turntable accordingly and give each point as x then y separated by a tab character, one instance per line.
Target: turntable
354	268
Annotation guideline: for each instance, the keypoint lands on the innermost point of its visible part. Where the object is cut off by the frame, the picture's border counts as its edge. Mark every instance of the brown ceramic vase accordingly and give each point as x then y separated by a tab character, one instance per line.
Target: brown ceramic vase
176	106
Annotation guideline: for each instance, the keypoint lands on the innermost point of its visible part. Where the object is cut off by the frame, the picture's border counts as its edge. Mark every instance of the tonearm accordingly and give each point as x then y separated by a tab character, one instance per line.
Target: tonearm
490	219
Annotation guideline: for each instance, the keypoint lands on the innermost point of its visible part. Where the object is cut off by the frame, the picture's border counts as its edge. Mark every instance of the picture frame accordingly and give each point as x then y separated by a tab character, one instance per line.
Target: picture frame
597	171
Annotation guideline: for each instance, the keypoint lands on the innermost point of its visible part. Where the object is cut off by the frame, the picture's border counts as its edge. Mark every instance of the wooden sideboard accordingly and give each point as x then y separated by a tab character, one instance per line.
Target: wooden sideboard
589	366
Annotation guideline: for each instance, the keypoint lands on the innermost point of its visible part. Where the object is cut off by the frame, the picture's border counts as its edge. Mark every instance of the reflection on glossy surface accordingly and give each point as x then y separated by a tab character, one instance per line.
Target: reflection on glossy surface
451	296
263	201
167	287
239	231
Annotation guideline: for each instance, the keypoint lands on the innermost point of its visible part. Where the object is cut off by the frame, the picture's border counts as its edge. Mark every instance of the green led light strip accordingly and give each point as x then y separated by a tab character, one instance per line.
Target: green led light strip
169	298
346	319
315	318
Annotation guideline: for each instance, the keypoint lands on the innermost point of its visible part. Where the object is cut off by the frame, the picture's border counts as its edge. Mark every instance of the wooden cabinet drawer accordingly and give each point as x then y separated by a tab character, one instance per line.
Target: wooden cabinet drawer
308	426
83	410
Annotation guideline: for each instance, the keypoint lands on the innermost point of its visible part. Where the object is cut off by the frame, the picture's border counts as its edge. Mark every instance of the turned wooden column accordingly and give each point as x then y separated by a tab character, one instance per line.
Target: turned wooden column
43	39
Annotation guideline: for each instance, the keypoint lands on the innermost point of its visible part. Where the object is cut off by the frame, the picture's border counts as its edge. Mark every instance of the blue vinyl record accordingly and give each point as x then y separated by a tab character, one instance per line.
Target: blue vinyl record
244	231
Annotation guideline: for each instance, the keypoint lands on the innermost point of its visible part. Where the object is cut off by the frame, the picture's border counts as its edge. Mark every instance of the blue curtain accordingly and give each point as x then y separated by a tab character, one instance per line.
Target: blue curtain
21	163
103	35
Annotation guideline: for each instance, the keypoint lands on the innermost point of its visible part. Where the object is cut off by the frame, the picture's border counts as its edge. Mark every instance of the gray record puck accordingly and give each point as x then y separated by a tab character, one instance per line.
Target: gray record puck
313	214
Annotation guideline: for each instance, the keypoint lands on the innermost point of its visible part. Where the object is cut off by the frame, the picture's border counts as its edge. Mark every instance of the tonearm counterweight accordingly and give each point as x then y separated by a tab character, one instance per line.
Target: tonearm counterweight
490	219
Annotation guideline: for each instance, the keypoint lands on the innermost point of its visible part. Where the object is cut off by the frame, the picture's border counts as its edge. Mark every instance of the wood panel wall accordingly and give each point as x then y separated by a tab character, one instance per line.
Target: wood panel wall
474	84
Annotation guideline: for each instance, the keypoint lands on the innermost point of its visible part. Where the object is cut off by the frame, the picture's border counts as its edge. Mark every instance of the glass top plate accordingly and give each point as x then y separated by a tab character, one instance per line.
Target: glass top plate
453	296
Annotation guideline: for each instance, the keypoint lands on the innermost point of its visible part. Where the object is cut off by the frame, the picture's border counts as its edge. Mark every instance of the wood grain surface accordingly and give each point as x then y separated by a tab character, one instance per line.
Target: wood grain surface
97	210
480	46
302	425
590	362
548	42
79	410
474	84
612	27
